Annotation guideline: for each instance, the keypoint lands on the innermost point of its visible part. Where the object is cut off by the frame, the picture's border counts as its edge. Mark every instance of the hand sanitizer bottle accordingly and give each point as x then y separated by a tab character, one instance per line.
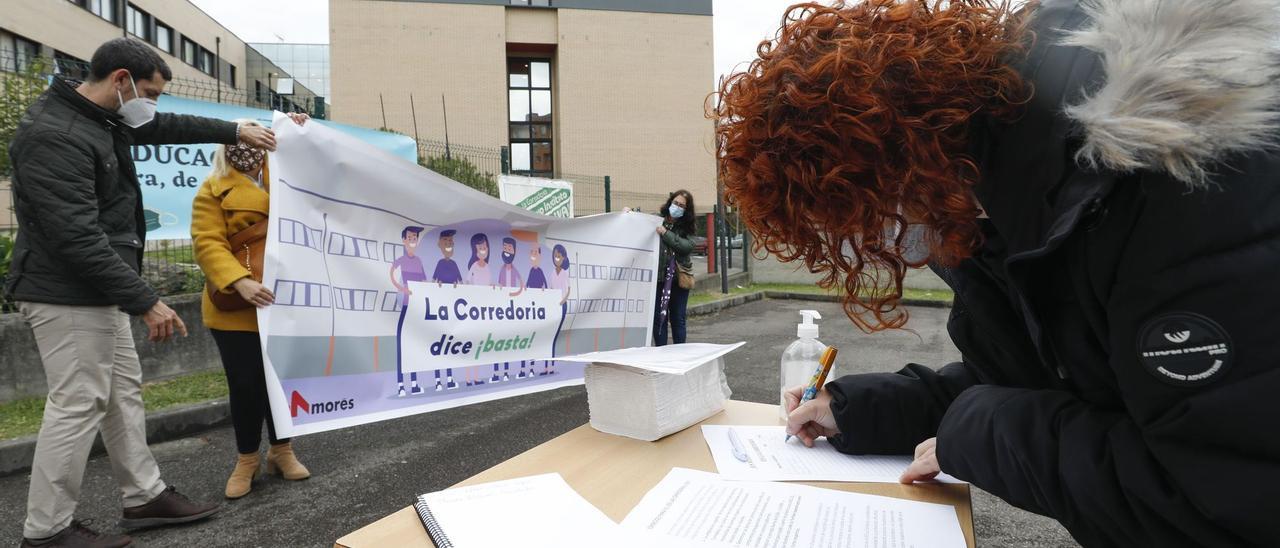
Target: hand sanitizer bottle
801	358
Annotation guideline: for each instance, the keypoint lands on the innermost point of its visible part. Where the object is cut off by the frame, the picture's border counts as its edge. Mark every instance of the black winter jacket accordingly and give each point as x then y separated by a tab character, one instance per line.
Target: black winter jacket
1121	363
78	202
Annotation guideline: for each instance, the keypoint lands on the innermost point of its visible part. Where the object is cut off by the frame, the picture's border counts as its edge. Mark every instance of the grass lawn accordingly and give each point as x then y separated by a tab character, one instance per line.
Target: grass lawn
22	417
175	254
709	296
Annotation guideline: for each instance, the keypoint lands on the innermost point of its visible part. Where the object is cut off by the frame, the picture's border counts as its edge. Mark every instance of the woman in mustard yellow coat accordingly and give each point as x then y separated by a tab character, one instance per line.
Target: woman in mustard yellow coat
233	198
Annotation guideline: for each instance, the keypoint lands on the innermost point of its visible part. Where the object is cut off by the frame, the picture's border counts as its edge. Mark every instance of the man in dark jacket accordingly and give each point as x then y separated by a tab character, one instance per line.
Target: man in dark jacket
1120	364
75	276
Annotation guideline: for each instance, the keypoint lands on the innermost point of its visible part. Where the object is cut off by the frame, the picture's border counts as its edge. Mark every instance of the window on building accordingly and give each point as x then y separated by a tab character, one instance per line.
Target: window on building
349	246
300	293
391	252
360	300
105	9
391	301
17	53
231	72
530	116
206	62
538	3
297	233
70	66
164	37
189	52
137	22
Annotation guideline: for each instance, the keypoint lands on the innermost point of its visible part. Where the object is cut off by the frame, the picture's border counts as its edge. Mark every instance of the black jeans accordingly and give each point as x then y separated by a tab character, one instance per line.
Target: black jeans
241	354
675	316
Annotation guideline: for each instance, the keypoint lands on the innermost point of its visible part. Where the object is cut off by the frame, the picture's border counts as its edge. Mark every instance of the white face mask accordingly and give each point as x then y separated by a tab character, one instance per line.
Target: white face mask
137	111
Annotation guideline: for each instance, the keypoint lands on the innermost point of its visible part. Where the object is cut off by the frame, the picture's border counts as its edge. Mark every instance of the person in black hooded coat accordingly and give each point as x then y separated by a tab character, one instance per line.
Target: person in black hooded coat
1115	309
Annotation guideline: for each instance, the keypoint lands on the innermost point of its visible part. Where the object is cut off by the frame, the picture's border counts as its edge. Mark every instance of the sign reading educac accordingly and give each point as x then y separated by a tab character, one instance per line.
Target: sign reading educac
170	175
399	291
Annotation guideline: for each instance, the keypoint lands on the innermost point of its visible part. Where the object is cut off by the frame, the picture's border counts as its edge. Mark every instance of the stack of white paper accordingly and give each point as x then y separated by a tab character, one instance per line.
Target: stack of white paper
648	393
536	511
690	506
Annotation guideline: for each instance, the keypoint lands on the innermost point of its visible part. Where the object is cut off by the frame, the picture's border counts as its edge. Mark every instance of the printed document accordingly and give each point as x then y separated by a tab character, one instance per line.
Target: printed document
542	511
694	506
759	453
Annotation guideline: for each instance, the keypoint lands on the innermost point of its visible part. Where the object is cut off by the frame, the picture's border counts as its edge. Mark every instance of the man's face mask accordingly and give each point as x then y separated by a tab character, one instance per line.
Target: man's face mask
138	111
245	158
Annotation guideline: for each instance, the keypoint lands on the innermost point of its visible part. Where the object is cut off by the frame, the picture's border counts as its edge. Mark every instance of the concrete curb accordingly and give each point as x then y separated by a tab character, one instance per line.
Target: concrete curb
168	424
177	422
706	309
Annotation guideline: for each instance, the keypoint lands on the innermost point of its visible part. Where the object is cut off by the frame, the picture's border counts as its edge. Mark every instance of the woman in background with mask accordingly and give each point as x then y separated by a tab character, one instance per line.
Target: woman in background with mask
233	198
676	233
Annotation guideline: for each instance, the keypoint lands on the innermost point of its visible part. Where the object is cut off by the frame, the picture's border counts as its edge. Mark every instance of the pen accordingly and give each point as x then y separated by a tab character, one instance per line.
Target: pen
819	378
739	452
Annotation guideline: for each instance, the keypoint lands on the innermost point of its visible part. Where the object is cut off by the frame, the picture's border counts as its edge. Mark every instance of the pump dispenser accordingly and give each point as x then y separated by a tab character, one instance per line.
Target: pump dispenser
800	359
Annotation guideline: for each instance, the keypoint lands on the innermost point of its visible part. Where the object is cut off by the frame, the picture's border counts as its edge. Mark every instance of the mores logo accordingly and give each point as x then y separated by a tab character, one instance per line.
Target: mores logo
297	402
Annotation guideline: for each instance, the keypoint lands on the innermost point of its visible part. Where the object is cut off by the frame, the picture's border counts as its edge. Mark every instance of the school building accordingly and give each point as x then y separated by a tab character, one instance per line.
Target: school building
567	87
208	61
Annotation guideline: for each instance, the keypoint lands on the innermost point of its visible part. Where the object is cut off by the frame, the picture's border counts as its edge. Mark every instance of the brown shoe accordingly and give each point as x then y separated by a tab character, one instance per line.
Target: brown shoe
241	480
79	535
282	461
169	508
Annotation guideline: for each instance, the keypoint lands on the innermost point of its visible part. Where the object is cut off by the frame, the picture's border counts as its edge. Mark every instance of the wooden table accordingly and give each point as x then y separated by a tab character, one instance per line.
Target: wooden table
614	473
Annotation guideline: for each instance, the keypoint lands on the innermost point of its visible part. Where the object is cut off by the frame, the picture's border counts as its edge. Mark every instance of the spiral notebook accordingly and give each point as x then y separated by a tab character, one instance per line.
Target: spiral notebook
533	511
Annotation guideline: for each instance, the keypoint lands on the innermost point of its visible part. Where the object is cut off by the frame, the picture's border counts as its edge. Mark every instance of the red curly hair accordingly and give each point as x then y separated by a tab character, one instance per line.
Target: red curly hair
854	119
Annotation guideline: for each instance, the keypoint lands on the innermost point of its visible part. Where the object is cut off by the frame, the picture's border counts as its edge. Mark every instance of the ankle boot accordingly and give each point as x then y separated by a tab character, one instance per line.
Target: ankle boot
282	461
241	480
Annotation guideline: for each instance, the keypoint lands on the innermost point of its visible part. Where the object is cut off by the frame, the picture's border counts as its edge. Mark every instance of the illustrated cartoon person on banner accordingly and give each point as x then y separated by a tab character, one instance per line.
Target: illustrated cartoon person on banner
508	276
537	279
411	270
559	280
446	273
478	274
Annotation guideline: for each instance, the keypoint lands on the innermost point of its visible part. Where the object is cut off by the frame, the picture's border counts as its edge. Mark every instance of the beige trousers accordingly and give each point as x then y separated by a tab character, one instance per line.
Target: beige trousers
95	383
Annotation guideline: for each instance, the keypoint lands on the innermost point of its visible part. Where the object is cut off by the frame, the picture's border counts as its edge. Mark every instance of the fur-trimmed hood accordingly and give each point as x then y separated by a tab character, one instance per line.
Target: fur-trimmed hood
1187	82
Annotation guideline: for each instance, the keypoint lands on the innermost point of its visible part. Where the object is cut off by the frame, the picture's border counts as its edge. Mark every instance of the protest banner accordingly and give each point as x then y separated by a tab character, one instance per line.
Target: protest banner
170	175
539	195
399	291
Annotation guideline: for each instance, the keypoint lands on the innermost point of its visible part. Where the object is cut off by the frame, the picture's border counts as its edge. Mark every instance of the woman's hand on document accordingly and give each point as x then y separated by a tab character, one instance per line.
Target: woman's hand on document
925	466
811	420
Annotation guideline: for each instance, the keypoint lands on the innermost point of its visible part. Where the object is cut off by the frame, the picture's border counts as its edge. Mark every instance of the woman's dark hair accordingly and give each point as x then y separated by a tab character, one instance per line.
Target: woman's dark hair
476	240
139	59
559	249
683	225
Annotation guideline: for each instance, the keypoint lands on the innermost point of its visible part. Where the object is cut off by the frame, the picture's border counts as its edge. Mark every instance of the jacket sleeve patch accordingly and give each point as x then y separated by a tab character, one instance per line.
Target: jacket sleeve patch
1184	349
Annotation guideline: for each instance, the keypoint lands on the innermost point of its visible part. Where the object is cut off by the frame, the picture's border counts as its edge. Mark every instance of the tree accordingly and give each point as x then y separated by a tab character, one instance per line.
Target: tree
17	92
463	171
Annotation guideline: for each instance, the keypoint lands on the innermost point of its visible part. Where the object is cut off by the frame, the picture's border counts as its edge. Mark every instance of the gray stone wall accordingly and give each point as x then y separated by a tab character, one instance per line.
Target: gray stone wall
21	374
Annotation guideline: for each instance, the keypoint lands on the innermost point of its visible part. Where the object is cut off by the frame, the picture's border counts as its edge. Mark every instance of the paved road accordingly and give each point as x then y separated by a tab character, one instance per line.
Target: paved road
362	474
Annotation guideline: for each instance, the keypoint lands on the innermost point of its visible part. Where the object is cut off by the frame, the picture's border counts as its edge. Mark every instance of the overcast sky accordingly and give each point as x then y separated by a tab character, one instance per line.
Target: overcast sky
739	24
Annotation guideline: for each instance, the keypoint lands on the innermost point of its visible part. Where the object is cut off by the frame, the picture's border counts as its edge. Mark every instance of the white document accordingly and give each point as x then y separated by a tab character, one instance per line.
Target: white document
759	453
701	507
676	359
535	511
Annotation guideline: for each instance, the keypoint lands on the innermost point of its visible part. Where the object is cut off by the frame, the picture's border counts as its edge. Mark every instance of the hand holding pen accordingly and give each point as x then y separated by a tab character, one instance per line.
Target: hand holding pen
809	408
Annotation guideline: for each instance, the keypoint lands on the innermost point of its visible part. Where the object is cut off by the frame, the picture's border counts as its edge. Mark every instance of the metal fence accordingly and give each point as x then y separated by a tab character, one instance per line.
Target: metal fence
169	265
474	166
594	194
